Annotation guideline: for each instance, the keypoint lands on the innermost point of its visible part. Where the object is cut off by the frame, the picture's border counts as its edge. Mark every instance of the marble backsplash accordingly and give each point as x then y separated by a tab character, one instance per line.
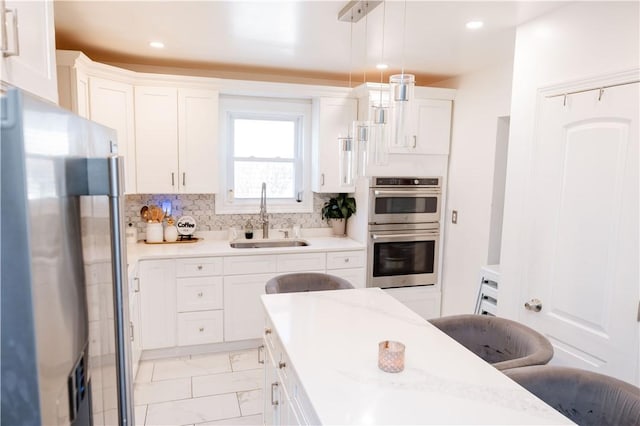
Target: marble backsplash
201	208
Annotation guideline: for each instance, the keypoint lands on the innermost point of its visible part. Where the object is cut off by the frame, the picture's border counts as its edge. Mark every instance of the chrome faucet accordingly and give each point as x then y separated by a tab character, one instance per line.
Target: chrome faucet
264	219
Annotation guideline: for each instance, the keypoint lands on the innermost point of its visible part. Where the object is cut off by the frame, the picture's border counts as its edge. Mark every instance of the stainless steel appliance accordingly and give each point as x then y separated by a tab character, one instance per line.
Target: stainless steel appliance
65	361
404	200
403	232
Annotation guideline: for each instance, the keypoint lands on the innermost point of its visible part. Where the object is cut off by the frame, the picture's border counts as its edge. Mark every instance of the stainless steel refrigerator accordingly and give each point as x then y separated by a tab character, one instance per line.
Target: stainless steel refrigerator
64	308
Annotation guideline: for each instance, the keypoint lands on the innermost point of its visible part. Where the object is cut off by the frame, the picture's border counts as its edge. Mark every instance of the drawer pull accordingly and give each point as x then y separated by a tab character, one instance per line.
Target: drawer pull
267	331
260	359
346	260
199	267
201	329
273	385
282	364
200	294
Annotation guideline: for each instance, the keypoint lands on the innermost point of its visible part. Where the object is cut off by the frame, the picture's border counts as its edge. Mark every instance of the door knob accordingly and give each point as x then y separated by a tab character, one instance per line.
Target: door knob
534	305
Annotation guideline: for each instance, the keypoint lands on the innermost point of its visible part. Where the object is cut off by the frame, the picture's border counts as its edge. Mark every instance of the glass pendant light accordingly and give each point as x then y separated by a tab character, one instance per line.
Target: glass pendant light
401	88
345	144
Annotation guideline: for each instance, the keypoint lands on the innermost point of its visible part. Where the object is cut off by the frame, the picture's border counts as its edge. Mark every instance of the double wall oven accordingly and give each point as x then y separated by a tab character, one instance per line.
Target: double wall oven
404	231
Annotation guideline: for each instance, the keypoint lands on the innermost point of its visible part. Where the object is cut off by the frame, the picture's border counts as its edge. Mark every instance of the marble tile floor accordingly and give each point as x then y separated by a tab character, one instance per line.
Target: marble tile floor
223	388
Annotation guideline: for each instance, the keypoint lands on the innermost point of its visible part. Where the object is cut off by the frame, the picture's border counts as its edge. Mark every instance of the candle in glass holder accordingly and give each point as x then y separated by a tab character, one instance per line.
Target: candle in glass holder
391	356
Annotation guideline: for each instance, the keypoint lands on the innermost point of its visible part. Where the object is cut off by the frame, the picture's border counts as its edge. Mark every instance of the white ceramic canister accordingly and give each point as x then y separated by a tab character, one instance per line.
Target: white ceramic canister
170	233
154	232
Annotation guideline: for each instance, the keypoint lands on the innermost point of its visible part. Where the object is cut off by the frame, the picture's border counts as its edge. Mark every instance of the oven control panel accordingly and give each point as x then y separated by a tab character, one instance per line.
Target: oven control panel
406	181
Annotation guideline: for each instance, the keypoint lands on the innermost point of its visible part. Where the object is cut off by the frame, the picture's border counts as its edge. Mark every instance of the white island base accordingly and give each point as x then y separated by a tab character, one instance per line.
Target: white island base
321	368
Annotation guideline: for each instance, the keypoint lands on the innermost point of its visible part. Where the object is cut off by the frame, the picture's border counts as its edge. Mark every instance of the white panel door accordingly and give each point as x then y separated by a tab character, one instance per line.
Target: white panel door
156	112
111	104
583	231
158	304
198	140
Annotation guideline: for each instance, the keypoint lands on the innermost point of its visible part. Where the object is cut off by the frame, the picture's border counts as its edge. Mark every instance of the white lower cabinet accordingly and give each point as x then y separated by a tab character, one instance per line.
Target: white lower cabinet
243	312
195	301
158	303
285	402
424	301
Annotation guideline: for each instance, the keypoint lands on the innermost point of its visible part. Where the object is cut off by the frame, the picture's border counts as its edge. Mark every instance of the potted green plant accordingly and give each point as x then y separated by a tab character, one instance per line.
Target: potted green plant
337	210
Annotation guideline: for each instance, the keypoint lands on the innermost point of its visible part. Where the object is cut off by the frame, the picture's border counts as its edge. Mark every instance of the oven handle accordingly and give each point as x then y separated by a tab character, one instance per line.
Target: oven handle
414	193
398	236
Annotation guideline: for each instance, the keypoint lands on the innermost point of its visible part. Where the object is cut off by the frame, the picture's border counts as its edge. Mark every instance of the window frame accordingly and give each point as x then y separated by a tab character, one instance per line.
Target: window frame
285	109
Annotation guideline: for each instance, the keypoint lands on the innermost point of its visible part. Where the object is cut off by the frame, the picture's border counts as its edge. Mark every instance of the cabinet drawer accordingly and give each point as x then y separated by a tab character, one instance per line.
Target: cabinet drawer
301	262
199	267
199	294
240	265
345	259
196	328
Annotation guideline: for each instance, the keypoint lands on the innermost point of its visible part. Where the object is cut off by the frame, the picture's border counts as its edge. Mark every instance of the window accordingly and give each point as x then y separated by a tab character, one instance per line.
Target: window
264	140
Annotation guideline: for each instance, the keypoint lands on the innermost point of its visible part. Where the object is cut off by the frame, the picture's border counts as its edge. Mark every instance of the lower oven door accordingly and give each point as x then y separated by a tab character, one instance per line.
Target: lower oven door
401	258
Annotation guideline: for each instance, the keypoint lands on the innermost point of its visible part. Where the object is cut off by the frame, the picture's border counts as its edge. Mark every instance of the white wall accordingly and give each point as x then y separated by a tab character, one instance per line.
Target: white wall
482	97
577	41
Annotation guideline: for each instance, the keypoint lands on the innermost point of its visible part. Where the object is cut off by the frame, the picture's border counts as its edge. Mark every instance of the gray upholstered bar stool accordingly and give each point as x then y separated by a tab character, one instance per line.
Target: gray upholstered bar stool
499	341
307	281
586	398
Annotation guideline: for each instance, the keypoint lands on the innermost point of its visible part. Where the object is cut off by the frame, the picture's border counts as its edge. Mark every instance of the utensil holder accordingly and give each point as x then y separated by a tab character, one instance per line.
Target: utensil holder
154	232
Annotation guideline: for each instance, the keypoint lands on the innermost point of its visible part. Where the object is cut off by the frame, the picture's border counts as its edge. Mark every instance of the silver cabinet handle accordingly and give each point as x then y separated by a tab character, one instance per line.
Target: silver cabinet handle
173	179
14	21
137	287
199	267
131	331
346	260
200	294
282	364
267	331
534	305
273	385
201	329
322	179
184	178
260	359
415	141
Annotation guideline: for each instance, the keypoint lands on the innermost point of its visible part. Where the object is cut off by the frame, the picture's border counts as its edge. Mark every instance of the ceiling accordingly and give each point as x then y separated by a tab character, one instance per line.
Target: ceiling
304	39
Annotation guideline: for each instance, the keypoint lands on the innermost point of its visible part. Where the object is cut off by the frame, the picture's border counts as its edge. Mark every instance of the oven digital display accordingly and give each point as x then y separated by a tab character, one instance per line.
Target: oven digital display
403	258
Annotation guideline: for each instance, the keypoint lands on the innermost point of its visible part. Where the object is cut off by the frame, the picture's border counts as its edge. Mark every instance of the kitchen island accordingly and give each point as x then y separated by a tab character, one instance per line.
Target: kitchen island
321	367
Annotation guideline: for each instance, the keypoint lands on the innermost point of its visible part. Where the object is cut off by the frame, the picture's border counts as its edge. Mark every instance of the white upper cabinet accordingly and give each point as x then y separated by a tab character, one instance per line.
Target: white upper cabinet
198	140
28	61
332	118
156	111
176	140
111	104
433	126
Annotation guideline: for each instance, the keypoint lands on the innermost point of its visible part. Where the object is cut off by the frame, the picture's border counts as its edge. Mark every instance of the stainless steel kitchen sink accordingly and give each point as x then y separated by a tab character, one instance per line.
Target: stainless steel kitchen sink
267	243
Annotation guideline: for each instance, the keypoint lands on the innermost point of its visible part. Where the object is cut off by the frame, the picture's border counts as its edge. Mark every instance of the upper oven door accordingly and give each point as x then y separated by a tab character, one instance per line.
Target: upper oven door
411	205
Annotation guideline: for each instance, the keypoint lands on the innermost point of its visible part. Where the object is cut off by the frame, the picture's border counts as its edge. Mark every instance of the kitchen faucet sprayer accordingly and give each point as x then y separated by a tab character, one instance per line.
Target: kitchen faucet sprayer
263	211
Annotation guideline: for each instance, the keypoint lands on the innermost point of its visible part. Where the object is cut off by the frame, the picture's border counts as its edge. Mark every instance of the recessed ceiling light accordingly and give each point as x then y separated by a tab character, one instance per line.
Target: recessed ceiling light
382	66
474	25
157	44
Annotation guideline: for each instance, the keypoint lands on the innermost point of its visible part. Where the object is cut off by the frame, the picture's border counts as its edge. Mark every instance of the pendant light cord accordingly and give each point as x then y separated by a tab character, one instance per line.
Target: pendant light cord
350	50
384	16
404	33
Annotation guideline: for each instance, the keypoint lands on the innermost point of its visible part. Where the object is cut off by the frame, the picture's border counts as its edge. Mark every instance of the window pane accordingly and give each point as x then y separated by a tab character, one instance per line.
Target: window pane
263	138
249	175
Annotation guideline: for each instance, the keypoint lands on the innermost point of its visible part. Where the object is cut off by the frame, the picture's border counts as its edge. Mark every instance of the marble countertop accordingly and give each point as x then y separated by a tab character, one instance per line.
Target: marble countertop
331	339
213	245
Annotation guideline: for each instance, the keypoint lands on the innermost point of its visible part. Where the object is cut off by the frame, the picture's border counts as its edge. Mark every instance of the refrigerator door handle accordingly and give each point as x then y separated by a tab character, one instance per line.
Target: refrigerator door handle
120	293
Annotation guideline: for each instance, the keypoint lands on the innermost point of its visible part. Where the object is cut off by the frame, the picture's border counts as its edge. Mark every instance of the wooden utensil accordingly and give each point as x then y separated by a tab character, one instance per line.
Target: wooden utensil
144	213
